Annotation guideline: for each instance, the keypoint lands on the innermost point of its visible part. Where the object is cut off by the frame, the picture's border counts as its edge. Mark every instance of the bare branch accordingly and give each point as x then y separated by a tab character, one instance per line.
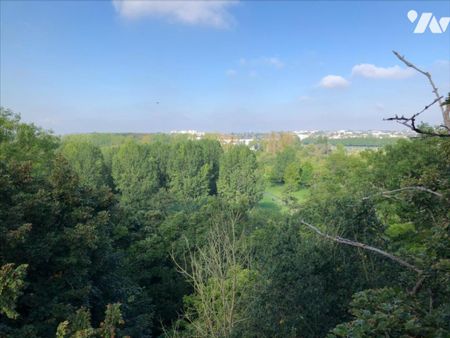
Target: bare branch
412	188
410	122
428	106
445	112
418	285
213	270
417	114
356	244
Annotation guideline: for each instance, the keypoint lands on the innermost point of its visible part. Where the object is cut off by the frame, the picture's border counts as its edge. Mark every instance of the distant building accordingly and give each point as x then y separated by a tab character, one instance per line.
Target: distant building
345	134
198	135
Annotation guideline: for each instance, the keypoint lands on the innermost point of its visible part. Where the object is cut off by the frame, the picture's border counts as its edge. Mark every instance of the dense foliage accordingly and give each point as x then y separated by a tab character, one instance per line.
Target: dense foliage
168	236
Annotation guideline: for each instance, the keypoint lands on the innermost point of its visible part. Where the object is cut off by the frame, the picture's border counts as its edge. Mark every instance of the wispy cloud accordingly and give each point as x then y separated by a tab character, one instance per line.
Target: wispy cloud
231	72
442	63
208	13
379	107
272	61
333	81
253	74
374	72
304	98
368	71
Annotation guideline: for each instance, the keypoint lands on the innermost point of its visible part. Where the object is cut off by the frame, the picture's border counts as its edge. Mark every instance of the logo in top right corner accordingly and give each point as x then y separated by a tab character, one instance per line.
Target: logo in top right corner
428	20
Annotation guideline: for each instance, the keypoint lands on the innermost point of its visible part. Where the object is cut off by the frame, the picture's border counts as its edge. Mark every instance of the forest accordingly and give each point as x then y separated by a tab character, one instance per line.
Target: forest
164	236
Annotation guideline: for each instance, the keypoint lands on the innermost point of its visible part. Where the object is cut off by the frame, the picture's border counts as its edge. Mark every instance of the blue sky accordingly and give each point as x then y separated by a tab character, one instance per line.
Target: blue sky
147	66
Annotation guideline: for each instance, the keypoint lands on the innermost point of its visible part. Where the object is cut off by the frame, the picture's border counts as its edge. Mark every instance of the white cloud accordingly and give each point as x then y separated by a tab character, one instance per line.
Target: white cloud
374	72
231	72
208	12
333	81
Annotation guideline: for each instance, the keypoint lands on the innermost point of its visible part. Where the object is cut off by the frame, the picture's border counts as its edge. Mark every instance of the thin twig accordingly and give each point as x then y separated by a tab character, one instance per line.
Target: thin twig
410	122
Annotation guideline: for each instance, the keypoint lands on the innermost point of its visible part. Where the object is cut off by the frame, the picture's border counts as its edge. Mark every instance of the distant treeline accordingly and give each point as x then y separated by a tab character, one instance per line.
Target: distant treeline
115	139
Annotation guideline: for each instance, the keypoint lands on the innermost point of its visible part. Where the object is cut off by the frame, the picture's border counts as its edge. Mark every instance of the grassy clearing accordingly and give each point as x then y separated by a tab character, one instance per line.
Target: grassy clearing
301	195
273	197
271	203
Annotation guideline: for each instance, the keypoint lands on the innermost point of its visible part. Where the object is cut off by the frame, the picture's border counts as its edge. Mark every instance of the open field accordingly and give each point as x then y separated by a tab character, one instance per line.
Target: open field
273	197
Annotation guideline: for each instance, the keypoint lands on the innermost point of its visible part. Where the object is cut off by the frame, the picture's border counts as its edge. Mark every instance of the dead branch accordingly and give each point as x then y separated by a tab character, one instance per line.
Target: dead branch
420	278
356	244
410	122
412	188
445	116
428	75
418	285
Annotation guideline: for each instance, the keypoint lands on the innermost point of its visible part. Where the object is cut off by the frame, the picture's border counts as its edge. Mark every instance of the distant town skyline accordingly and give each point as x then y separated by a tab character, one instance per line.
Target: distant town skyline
218	66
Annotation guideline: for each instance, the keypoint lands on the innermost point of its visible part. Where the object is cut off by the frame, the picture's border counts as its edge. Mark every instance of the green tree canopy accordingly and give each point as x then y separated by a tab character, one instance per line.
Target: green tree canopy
239	180
87	161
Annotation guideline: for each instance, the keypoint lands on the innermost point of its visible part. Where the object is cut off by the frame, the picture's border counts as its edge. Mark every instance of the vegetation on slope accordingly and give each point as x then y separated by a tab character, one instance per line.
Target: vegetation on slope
182	238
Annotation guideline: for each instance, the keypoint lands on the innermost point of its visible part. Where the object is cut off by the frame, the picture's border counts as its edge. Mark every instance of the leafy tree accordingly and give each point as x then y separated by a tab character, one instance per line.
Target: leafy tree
79	324
136	174
239	180
11	285
193	168
22	142
281	161
307	173
87	161
60	229
150	259
113	318
278	142
390	312
304	284
411	181
61	232
293	176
